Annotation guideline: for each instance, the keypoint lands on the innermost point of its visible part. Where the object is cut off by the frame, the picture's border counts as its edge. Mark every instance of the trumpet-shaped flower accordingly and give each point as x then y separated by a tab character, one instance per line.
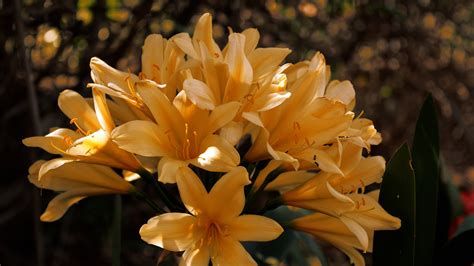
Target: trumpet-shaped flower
239	73
214	228
298	130
334	231
90	143
183	134
75	181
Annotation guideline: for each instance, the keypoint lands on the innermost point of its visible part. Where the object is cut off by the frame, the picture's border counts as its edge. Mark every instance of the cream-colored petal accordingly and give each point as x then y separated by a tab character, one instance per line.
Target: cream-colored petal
196	256
152	56
358	231
266	60
106	75
102	111
192	191
326	163
254	118
217	155
75	175
342	91
56	142
288	180
231	252
200	94
254	228
222	115
270	101
226	198
142	137
171	231
232	132
241	73
184	42
165	114
251	39
168	169
53	164
203	33
74	106
58	206
282	156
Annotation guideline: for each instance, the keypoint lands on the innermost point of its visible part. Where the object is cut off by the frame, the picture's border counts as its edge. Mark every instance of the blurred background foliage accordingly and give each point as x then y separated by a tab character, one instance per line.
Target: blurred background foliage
394	52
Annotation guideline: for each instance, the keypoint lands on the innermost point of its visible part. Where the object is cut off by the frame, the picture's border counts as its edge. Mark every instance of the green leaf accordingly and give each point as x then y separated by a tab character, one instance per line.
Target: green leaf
427	171
397	197
458	250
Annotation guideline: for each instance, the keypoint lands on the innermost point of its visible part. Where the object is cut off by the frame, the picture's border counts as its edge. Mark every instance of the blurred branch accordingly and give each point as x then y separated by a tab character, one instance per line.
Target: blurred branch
35	117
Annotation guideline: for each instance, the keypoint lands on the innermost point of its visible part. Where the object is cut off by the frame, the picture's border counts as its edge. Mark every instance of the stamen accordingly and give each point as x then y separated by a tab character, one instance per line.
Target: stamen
131	87
363	186
57	148
79	129
156	66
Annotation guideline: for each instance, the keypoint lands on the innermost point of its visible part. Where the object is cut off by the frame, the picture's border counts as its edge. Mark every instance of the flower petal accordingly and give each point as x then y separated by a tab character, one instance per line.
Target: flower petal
171	231
200	94
342	91
55	142
152	56
102	111
58	206
142	137
222	115
227	199
254	228
241	73
231	252
168	168
218	155
251	39
192	191
196	256
265	60
74	106
165	114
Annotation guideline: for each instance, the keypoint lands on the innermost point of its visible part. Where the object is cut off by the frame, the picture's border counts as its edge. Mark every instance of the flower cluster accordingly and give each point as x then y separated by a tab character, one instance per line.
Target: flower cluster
237	131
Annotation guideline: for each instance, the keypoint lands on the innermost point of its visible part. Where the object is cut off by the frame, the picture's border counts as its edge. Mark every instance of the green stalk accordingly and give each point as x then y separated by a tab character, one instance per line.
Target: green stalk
164	195
144	197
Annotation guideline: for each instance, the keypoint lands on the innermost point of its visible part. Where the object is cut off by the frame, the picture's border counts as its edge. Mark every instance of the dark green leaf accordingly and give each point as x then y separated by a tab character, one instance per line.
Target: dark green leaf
397	196
427	171
458	250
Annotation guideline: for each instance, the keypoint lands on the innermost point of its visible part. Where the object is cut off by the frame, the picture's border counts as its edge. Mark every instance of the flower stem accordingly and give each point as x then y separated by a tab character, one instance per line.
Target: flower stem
160	189
144	197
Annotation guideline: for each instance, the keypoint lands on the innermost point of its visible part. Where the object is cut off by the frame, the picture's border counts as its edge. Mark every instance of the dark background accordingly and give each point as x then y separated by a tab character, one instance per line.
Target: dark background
394	52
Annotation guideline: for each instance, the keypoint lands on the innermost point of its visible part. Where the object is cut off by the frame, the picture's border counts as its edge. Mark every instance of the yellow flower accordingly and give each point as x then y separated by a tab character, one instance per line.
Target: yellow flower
241	72
91	143
76	181
183	134
334	231
214	228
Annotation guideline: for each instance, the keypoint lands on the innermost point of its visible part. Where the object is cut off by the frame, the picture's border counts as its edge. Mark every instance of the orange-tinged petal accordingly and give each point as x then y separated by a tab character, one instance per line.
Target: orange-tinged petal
168	169
192	191
102	111
226	199
218	155
251	39
171	231
142	137
254	228
196	256
74	106
241	73
56	142
231	252
58	206
165	114
222	115
342	91
265	60
152	56
200	94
